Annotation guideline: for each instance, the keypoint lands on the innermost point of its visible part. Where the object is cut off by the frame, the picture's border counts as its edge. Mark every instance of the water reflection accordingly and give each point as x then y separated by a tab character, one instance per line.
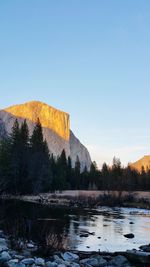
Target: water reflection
34	222
57	228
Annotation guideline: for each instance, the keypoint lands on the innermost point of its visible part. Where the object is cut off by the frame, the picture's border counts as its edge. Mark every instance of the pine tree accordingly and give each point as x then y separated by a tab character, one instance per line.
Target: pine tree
84	179
47	170
24	134
106	177
37	137
40	173
15	134
94	176
5	163
15	158
77	171
116	174
61	177
69	172
24	158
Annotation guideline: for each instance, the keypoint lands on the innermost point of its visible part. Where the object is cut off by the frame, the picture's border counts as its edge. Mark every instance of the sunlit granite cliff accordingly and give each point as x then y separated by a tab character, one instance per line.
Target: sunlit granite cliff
56	128
143	162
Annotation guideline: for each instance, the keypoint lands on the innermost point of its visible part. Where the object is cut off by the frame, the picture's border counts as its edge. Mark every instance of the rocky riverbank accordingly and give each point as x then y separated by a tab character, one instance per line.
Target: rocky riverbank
16	253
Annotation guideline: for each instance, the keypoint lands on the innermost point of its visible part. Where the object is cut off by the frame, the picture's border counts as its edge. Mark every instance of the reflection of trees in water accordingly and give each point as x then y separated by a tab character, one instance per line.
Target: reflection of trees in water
55	233
52	228
117	219
14	221
46	226
79	224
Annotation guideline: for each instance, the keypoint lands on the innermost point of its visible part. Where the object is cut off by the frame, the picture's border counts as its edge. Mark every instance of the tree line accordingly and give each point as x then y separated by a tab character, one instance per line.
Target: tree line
27	167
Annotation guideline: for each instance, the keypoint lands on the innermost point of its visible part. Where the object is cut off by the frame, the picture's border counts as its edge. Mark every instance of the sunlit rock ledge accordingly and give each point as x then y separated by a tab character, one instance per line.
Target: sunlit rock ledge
56	129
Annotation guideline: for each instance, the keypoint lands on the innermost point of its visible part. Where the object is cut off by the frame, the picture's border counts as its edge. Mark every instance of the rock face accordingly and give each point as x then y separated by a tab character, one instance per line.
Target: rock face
56	128
77	149
144	162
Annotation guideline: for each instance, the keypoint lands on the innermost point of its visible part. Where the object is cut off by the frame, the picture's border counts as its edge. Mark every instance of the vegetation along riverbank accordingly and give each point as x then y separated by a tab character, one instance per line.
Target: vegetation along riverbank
88	199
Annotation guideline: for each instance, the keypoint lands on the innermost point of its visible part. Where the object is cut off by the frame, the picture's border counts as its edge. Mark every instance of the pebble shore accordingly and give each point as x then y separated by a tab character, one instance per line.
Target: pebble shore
10	257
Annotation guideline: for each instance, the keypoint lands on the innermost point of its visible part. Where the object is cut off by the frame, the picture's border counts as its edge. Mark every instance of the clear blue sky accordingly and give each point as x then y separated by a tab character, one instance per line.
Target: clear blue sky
89	58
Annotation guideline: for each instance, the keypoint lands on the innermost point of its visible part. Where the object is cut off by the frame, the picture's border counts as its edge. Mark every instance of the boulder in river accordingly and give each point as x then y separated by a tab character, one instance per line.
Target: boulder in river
84	235
129	236
145	248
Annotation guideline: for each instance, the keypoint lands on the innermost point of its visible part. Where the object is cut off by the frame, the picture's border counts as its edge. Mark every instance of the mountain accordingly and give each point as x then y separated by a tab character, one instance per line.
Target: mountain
56	129
143	162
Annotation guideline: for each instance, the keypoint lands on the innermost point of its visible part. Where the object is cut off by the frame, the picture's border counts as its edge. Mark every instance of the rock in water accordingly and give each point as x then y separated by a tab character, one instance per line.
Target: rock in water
56	129
145	248
129	236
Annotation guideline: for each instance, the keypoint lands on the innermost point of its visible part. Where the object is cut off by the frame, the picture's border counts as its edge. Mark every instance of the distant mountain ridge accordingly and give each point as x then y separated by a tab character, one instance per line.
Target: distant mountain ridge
143	162
55	125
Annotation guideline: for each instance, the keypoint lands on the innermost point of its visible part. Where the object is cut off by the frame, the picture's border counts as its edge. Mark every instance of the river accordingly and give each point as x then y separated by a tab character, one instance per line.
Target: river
76	229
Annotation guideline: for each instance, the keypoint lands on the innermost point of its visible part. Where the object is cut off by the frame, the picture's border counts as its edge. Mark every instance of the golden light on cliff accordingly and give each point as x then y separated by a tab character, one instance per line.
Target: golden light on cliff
51	118
141	163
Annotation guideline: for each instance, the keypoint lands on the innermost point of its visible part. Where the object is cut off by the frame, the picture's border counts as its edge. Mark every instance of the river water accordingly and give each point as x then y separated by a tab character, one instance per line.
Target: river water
76	229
